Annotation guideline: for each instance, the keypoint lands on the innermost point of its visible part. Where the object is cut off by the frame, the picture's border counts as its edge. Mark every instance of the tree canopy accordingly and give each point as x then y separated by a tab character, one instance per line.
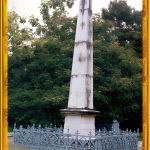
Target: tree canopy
127	23
39	74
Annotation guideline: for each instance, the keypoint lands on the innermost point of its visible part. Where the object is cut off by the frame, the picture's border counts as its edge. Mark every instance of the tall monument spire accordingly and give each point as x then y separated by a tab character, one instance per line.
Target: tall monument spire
81	86
80	114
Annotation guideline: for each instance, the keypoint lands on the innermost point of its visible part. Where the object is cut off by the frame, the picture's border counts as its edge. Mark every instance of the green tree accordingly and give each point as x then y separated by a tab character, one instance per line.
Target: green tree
39	84
57	24
40	88
117	84
127	25
119	12
16	38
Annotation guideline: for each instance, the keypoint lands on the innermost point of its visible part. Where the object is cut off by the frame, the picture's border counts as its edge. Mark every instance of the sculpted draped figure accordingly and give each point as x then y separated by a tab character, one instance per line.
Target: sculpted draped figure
81	85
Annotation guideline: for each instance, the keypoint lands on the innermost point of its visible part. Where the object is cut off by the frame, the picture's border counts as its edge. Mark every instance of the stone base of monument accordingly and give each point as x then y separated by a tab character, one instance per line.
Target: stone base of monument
82	120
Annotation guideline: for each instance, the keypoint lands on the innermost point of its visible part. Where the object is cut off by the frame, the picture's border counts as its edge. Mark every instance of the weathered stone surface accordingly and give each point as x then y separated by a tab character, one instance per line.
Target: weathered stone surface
80	114
83	123
81	85
81	92
80	111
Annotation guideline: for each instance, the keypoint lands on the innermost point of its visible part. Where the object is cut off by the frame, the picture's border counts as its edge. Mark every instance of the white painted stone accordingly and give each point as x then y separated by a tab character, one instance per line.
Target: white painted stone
73	122
81	84
84	30
82	60
87	126
86	119
83	123
81	92
79	115
87	4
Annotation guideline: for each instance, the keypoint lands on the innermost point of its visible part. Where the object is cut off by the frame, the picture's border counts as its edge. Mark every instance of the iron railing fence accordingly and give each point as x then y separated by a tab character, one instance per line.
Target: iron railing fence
54	139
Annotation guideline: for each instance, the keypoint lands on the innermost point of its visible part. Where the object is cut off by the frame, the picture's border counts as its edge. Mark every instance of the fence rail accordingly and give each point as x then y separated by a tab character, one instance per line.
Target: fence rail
54	139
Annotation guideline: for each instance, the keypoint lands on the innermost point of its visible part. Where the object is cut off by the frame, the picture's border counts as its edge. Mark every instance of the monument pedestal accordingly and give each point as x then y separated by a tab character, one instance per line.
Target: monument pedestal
79	119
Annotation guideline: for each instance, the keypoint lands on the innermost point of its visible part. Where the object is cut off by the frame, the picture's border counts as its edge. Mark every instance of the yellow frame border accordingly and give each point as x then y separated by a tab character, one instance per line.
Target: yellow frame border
148	75
3	79
3	71
146	72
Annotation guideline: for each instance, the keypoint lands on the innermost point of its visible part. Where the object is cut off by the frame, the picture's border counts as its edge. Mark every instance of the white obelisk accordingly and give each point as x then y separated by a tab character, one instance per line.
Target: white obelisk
80	114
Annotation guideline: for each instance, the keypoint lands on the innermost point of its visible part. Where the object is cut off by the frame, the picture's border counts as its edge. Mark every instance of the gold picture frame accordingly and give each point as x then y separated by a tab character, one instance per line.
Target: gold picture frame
145	88
3	79
3	72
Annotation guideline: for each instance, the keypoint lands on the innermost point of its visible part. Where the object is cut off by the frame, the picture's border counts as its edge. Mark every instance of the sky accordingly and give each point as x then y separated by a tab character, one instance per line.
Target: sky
26	8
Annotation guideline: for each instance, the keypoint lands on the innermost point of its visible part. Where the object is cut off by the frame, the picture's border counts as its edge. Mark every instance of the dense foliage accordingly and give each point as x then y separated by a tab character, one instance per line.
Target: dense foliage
39	75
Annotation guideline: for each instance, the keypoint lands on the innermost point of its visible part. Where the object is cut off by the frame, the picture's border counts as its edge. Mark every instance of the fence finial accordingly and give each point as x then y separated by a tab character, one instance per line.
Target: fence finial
77	132
15	125
112	128
90	134
99	132
39	126
104	129
68	129
21	127
50	125
33	127
61	127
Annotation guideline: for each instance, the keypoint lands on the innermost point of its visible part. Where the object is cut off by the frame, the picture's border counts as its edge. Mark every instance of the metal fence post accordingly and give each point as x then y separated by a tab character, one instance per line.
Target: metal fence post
89	143
98	138
14	133
39	139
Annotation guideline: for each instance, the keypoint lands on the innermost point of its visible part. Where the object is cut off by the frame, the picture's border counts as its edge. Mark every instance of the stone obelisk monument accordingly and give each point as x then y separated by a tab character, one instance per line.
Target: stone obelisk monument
80	114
